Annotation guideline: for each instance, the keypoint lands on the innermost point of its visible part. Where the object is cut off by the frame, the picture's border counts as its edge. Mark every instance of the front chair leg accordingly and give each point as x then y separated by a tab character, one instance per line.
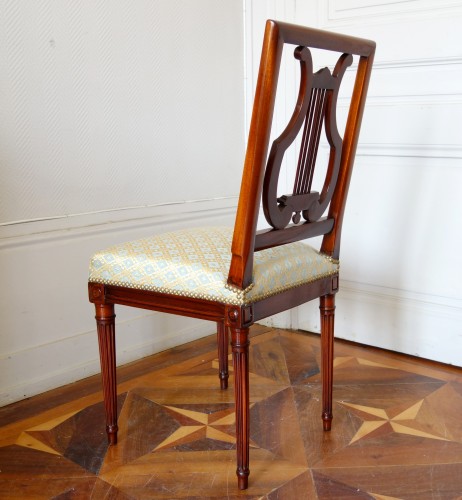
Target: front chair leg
222	341
105	321
327	308
240	346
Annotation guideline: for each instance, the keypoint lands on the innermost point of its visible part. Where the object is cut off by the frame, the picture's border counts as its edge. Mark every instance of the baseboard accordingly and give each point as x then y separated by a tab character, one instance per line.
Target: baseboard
47	326
55	364
417	324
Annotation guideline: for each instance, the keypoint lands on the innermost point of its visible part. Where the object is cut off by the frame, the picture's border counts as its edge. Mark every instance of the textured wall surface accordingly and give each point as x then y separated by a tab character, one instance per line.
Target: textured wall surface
115	104
118	119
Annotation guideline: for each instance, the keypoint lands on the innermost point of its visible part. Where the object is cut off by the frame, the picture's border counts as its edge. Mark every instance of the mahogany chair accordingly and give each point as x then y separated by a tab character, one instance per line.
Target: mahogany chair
236	279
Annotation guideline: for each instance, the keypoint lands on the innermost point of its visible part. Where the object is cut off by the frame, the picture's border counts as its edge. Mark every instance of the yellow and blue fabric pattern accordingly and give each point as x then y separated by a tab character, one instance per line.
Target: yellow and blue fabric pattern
195	263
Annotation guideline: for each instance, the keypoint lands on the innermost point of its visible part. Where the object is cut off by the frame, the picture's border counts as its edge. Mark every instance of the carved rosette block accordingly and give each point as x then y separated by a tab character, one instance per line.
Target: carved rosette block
327	308
105	321
96	293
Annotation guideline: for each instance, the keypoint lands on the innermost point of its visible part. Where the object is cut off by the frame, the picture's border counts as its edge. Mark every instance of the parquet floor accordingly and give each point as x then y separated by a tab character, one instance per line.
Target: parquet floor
397	430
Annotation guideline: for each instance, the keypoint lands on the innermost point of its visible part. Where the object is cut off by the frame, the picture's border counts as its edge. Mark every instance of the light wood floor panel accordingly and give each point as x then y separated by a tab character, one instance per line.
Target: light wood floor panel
396	433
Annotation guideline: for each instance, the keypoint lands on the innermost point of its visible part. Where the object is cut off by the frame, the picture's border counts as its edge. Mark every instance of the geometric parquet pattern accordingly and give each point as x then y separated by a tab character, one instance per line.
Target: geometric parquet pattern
396	433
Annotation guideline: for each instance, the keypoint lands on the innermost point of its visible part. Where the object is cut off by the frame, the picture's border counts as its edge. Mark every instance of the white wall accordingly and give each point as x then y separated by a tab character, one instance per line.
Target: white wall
90	93
401	285
118	119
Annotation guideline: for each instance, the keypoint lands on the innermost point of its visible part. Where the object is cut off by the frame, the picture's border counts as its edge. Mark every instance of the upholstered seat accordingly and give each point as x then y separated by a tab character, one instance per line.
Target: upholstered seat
195	263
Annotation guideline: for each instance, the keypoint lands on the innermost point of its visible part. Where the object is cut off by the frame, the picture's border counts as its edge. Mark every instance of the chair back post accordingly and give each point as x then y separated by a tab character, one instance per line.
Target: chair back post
244	238
240	273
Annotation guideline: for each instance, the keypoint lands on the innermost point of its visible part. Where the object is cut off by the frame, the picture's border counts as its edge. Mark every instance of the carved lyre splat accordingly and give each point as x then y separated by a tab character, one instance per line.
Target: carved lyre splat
315	107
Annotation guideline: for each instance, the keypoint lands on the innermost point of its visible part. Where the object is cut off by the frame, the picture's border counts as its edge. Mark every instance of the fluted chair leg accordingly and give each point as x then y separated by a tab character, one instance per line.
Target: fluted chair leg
222	341
105	321
327	308
240	347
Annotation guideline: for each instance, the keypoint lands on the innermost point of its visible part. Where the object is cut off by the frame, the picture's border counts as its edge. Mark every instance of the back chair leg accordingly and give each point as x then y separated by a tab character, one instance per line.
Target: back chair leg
222	341
327	308
105	321
240	346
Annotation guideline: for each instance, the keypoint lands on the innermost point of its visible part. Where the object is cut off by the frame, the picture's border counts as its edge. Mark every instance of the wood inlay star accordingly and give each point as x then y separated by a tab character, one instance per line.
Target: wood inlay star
401	423
199	425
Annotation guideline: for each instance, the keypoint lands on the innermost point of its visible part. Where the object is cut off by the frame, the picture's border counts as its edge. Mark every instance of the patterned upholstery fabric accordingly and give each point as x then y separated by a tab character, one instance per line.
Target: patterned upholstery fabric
195	263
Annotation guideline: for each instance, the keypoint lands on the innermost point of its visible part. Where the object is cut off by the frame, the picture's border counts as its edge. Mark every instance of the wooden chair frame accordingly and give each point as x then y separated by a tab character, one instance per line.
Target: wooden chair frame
246	240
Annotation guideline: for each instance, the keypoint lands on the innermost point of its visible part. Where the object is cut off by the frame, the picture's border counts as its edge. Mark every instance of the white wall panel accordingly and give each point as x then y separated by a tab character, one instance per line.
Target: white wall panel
356	11
400	273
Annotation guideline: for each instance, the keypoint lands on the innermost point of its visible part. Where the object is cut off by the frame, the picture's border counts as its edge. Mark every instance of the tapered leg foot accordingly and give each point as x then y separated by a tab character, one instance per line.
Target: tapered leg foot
327	422
327	308
112	434
240	347
242	480
222	341
105	321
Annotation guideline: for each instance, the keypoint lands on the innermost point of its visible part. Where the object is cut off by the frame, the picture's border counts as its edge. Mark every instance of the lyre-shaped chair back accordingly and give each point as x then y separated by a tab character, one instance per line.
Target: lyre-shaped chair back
298	215
315	108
